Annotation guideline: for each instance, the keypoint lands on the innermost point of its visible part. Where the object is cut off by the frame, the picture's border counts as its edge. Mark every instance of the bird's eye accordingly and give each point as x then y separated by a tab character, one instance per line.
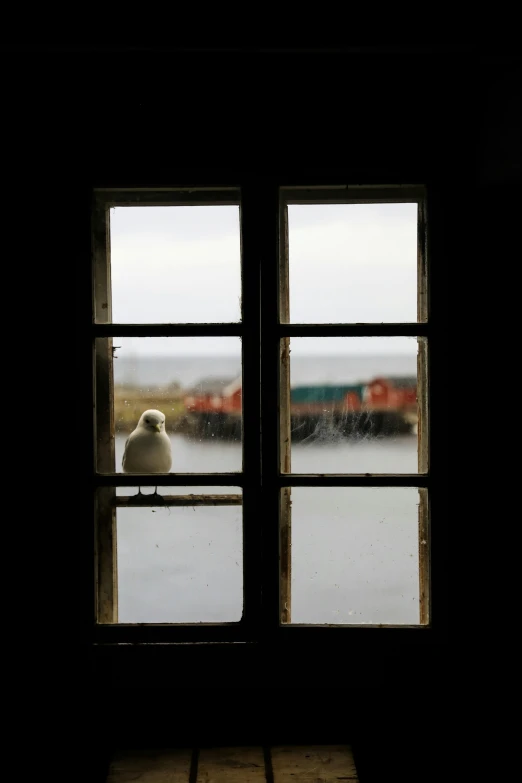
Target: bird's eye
146	421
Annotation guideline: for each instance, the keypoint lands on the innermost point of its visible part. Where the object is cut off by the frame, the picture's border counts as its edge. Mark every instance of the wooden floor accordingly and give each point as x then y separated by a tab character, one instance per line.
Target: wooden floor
290	764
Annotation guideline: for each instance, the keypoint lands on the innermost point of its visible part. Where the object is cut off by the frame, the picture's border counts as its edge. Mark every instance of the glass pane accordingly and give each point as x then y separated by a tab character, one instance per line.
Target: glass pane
175	264
180	564
355	555
353	405
352	263
196	383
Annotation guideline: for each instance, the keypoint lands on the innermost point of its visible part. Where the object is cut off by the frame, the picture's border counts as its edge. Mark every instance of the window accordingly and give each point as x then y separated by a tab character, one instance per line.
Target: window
283	334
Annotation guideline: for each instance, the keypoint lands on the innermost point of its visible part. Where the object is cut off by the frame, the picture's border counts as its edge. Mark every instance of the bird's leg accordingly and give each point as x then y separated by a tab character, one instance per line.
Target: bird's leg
160	498
156	496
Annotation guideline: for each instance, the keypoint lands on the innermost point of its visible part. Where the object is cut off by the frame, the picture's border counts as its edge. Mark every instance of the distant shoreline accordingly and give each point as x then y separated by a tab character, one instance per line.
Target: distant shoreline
186	370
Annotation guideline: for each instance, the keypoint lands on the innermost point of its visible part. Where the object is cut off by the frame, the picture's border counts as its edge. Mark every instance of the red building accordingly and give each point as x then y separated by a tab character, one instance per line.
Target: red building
232	397
395	393
215	395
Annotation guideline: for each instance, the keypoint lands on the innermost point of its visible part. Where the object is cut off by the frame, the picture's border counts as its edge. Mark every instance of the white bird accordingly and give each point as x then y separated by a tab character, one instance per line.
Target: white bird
148	448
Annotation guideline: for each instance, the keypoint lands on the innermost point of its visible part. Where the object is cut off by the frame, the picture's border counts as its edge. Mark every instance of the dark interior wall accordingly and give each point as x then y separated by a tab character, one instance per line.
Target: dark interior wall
445	119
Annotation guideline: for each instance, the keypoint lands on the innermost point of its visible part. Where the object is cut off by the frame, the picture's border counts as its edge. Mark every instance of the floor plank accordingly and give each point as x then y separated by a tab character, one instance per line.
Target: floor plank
313	764
169	766
233	765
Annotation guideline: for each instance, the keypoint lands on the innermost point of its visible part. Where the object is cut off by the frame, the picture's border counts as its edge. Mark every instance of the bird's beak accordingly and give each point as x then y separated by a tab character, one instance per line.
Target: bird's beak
157	427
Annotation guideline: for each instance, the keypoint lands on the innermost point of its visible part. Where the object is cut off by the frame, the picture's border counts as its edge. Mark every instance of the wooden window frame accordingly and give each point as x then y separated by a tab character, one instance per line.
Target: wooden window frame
265	481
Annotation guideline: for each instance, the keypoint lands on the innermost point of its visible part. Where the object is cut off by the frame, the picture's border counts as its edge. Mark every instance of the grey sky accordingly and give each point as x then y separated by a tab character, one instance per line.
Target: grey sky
348	263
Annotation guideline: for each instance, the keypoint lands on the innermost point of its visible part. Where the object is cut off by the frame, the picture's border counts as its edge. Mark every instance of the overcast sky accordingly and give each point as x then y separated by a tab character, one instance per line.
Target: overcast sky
348	263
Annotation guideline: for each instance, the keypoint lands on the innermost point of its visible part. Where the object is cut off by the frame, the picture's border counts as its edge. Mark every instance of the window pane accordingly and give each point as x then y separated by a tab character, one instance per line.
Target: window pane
196	383
180	564
355	555
175	264
352	263
353	405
